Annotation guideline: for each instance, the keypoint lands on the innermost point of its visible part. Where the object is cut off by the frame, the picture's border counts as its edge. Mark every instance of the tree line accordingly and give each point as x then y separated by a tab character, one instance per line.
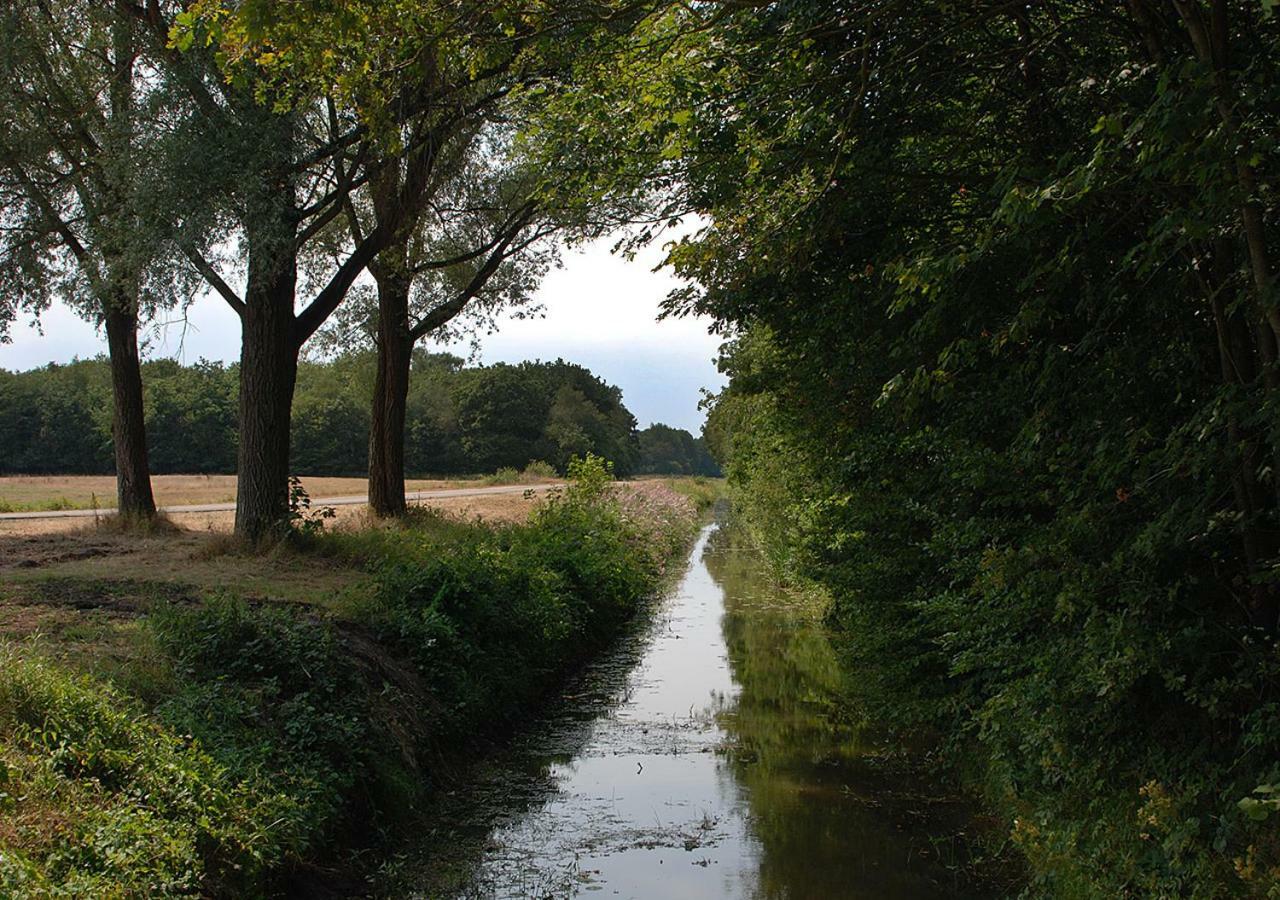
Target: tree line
459	419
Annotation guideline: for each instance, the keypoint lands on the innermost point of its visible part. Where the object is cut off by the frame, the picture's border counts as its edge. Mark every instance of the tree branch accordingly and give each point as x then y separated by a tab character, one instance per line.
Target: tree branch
214	279
447	311
307	322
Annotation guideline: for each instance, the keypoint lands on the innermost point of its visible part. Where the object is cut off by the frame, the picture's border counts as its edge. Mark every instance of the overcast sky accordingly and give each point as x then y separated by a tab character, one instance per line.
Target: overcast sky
600	311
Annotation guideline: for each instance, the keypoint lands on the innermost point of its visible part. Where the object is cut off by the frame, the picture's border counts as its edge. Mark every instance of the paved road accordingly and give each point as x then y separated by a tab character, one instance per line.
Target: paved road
316	502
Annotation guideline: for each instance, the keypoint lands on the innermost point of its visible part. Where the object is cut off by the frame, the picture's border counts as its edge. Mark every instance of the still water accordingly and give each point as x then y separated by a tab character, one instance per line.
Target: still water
705	758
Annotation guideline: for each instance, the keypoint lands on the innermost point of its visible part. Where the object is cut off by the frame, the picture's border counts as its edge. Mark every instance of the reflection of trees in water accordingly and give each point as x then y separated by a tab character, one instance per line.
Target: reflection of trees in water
826	820
455	860
815	803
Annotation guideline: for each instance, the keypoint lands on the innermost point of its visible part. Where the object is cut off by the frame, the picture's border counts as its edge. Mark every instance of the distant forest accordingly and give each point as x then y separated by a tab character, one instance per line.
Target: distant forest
461	419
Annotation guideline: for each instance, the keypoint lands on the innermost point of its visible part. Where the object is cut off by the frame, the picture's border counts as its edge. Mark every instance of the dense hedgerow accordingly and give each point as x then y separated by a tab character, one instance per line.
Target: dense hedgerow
1002	291
281	732
1073	661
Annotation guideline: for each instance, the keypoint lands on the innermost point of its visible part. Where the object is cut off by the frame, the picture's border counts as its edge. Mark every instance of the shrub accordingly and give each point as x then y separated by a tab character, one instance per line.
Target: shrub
493	617
98	799
274	689
538	470
505	475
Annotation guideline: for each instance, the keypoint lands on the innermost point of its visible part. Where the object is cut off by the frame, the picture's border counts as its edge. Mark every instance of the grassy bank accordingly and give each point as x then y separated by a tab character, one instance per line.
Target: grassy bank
165	738
703	491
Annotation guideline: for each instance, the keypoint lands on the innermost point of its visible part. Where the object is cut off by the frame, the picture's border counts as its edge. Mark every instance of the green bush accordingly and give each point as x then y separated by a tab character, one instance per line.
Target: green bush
505	475
272	689
115	804
494	617
1068	646
538	470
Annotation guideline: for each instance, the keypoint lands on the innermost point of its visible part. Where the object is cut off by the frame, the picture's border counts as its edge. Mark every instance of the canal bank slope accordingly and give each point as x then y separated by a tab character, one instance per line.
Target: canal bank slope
169	739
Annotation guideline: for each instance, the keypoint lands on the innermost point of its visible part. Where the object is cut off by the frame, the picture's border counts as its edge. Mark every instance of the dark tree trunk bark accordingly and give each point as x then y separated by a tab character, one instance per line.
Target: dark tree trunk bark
1238	358
390	395
134	498
268	373
117	295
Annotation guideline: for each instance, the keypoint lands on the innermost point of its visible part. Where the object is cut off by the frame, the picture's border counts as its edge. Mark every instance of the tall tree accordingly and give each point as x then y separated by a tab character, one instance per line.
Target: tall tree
88	214
324	105
475	243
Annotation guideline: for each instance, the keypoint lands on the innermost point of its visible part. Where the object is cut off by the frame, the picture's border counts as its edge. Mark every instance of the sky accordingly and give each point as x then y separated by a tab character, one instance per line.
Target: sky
600	310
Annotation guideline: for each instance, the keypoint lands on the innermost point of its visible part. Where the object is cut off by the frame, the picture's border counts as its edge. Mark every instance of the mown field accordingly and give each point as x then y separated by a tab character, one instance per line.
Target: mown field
23	493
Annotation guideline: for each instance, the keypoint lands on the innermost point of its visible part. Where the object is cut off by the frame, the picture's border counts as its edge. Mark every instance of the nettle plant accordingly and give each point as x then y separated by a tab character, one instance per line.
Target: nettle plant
303	521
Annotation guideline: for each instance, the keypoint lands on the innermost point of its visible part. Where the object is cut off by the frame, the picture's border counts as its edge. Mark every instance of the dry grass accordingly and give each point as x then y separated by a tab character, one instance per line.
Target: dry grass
74	590
492	508
30	492
197	550
203	561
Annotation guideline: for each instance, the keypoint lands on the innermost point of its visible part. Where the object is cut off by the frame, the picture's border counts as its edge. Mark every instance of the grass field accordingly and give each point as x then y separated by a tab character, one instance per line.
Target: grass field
498	508
19	493
23	493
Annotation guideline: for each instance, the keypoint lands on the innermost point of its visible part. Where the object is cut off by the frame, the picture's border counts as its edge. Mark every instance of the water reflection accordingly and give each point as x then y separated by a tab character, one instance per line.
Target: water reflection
706	758
825	821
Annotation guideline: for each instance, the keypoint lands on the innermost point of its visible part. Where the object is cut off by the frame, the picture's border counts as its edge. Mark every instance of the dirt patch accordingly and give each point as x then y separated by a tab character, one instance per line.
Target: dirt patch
124	596
68	606
37	551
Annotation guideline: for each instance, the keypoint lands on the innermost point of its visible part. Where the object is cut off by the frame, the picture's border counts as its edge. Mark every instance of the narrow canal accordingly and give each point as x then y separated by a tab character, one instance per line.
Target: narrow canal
705	758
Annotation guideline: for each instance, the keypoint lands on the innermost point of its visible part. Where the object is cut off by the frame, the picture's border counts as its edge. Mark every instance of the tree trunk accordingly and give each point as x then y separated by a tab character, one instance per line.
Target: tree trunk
268	373
128	423
117	294
1238	364
1211	41
390	396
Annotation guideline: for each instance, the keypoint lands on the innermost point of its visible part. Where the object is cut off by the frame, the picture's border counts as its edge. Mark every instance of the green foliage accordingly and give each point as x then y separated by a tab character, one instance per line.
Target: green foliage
704	492
75	97
1003	383
511	415
538	470
505	475
116	804
461	420
270	689
304	522
494	617
191	416
673	451
54	417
